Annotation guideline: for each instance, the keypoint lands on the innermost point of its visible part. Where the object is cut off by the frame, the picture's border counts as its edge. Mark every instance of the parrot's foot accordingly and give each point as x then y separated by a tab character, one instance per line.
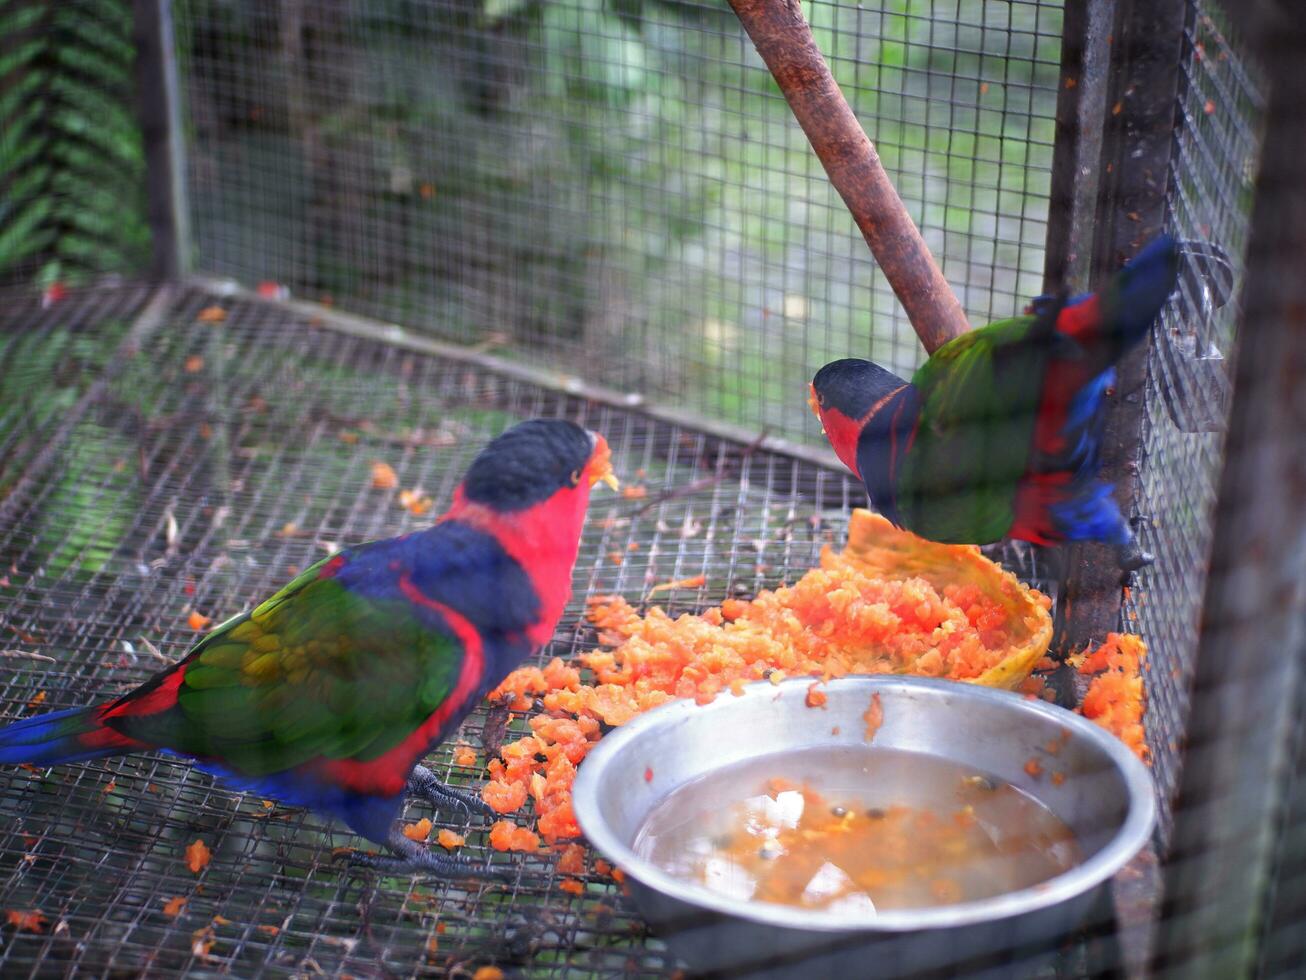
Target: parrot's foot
412	858
423	785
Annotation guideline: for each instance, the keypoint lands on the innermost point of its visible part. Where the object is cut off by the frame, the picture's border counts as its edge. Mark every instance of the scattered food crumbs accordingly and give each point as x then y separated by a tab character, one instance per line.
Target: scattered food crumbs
632	492
616	557
873	716
201	941
197	856
507	836
693	582
488	973
212	314
173	906
418	831
110	787
633	546
775	677
449	840
816	698
464	755
26	921
571	886
572	860
269	930
648	775
197	620
1115	698
36	699
383	476
193	364
1058	778
1033	767
267	804
415	502
602	867
618	876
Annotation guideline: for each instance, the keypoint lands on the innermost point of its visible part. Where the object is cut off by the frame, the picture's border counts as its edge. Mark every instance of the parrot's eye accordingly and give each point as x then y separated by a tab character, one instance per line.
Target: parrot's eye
575	477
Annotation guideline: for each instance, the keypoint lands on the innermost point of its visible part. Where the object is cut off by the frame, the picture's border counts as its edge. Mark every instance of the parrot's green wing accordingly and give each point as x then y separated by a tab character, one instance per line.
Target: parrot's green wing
315	671
979	400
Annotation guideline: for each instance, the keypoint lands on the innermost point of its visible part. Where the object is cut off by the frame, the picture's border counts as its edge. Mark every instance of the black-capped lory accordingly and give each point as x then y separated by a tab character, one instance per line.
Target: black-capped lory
998	433
329	693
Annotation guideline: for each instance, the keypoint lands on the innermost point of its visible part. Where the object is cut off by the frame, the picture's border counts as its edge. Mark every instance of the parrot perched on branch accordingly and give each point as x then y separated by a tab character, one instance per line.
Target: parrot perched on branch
998	433
328	694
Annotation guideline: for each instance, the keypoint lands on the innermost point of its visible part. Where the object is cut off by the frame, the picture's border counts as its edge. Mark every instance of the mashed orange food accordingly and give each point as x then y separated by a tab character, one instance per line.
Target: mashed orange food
890	602
1115	698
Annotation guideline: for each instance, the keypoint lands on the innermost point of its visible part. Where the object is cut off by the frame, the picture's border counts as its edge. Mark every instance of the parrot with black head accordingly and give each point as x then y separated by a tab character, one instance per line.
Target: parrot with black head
329	693
998	433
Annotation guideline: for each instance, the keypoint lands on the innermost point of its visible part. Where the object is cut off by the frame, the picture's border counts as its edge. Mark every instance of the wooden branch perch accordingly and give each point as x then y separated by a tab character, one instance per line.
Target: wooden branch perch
783	39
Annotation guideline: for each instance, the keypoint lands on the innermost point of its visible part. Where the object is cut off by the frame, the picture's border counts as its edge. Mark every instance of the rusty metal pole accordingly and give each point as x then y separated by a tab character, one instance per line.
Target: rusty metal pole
784	40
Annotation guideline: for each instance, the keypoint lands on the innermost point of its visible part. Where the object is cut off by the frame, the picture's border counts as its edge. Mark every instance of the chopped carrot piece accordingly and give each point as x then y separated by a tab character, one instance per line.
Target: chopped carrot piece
873	716
197	856
693	582
464	755
572	861
449	840
418	831
383	476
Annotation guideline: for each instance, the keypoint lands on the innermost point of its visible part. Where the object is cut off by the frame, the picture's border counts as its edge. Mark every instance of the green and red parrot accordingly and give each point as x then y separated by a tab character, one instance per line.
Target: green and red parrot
998	433
329	693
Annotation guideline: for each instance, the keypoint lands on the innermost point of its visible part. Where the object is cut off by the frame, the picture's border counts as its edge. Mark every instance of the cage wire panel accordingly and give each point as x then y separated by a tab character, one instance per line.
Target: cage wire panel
617	188
158	465
1211	172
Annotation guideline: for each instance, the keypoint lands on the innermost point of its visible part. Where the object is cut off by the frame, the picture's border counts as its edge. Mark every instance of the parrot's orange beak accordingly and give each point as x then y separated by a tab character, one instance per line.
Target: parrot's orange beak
600	464
814	405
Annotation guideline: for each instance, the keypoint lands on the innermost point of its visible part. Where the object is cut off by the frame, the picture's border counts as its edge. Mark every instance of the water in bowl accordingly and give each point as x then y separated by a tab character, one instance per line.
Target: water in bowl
855	830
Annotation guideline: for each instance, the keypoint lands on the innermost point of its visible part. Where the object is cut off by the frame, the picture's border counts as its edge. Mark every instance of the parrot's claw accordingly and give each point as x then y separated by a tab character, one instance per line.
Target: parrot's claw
423	785
411	858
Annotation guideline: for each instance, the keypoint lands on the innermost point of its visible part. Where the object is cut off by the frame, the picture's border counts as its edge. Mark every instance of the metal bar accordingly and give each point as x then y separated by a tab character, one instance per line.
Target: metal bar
395	335
160	117
1077	152
1247	685
784	40
1137	145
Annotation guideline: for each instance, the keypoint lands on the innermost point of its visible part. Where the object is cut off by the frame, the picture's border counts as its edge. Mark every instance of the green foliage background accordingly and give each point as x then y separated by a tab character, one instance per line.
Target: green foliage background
71	168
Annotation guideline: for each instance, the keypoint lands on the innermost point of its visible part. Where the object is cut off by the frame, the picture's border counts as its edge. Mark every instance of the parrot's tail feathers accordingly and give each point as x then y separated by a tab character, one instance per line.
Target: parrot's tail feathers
64	736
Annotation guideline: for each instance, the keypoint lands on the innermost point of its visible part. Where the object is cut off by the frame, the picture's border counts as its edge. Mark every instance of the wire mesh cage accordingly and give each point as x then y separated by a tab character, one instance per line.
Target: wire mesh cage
420	221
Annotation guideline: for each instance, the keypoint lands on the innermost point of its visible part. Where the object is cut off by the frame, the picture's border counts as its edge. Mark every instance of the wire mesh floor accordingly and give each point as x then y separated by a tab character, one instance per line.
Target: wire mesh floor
157	462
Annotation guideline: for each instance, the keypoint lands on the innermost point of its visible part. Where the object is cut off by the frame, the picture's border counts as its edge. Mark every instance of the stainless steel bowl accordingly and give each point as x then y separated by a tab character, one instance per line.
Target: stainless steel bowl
1106	799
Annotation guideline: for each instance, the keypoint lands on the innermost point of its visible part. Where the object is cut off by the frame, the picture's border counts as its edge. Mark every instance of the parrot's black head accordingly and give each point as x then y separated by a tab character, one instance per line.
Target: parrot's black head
534	460
852	387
